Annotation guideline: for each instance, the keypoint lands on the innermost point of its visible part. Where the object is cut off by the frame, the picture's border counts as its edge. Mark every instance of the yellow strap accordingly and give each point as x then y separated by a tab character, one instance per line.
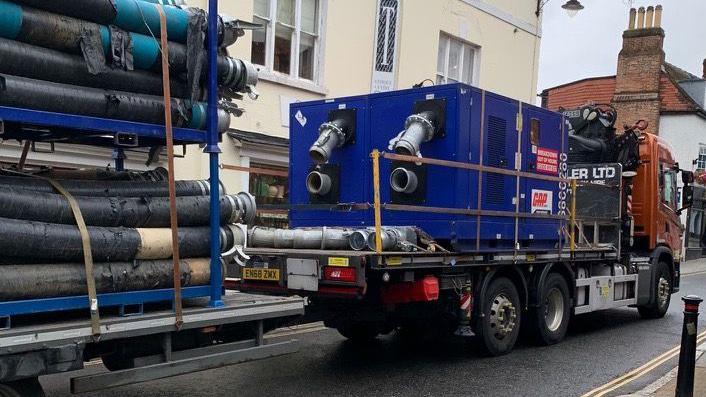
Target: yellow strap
87	255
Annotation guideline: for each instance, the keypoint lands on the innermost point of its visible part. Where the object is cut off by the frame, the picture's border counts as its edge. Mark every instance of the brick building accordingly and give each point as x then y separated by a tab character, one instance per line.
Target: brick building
647	87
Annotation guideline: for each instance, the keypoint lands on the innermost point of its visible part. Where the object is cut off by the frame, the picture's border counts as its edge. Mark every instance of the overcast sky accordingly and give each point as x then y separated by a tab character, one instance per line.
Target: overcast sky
587	45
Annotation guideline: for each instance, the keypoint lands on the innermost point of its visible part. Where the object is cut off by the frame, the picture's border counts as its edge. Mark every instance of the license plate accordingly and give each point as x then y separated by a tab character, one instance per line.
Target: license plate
260	274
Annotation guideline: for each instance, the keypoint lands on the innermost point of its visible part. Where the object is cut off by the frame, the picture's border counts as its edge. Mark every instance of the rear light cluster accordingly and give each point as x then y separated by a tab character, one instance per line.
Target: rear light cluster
345	274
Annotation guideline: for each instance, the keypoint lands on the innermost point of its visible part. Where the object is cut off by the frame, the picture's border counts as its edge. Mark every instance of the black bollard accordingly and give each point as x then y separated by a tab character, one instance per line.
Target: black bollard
687	354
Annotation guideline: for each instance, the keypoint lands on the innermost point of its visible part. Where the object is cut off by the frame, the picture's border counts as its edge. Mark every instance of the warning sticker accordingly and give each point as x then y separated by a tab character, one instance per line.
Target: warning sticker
547	161
300	118
542	201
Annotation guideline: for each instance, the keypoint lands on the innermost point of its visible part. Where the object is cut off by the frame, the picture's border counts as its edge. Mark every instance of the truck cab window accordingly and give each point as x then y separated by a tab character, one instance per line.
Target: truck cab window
669	188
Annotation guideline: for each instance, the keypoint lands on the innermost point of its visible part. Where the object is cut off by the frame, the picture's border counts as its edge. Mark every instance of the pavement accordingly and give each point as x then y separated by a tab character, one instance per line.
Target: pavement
608	354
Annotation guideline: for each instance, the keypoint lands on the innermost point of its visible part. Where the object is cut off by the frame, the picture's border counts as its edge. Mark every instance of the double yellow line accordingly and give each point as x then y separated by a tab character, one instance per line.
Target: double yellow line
640	371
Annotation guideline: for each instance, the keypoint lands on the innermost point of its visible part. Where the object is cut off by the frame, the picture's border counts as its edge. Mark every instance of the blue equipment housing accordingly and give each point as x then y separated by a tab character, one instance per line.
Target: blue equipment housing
520	207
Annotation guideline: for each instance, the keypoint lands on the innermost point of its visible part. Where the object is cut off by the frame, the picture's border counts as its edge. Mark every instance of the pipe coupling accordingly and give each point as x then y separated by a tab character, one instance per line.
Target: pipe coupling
318	183
331	136
419	128
403	180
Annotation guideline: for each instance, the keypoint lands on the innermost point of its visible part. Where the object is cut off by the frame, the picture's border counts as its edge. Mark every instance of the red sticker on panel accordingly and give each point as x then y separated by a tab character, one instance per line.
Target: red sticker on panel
547	161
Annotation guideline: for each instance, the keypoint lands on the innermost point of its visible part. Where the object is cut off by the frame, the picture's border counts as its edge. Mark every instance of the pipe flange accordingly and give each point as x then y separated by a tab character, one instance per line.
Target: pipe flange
427	125
333	129
249	207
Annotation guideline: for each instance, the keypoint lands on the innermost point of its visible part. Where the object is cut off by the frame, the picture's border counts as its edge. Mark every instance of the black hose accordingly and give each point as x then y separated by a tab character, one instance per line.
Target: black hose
125	212
37	242
69	279
159	174
35	62
107	188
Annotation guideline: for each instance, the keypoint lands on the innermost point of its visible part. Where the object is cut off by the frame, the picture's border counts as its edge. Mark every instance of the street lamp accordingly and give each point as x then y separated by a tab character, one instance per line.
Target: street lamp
572	7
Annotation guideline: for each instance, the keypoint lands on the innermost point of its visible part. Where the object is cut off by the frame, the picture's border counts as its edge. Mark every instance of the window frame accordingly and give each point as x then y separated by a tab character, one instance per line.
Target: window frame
701	158
267	71
474	67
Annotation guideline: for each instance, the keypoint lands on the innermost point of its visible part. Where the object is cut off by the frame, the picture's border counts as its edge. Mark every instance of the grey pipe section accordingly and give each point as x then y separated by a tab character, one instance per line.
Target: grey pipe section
323	238
318	183
125	212
69	279
399	238
332	135
358	240
419	128
403	180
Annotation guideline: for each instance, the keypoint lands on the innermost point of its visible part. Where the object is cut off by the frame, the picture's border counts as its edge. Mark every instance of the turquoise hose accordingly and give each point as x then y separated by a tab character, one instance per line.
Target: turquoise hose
10	20
134	14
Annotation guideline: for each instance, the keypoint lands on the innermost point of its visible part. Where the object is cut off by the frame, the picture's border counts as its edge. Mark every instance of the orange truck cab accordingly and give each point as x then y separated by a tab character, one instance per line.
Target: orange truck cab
655	203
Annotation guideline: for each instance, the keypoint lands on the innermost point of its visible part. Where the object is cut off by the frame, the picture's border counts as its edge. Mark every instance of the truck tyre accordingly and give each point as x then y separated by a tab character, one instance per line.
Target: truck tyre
663	294
550	320
117	362
22	388
498	328
359	332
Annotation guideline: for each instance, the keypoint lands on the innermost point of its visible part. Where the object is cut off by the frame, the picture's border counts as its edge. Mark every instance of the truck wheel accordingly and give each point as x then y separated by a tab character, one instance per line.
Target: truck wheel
499	326
663	294
22	388
550	319
117	362
359	332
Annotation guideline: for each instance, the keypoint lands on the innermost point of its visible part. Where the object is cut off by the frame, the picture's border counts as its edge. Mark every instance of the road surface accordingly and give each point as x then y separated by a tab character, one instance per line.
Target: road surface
599	347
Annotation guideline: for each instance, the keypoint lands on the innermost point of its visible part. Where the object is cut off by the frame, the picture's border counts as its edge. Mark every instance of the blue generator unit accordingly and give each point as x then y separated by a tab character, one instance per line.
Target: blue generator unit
512	201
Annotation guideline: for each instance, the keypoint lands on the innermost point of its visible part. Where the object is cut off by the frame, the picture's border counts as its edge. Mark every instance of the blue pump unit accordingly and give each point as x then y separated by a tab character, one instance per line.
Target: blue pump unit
453	122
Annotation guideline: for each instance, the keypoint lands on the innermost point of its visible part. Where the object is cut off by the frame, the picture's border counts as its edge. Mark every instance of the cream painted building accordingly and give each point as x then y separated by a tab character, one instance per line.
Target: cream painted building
313	49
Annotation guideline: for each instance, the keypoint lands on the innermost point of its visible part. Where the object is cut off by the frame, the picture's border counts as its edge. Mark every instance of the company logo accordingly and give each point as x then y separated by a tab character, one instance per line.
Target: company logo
542	201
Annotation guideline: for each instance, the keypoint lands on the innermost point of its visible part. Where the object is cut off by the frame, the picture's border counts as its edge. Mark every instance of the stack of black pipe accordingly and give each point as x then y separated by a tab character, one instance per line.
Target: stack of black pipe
127	215
102	58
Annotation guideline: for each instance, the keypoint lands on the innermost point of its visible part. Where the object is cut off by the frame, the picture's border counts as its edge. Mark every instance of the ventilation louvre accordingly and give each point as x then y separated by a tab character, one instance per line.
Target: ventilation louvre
495	147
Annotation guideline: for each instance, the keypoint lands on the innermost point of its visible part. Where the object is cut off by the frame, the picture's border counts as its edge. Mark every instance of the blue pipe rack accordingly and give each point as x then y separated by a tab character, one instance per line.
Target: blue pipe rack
106	132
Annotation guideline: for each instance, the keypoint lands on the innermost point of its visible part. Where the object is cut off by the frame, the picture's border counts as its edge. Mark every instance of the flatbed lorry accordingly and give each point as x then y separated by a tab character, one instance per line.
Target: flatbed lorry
620	248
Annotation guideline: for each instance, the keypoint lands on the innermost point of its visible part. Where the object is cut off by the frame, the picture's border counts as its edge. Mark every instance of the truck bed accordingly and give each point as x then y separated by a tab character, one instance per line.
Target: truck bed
27	335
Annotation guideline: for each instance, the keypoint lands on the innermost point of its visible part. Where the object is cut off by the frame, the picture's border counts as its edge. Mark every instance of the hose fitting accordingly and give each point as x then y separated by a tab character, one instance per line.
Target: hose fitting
419	128
332	134
318	183
403	180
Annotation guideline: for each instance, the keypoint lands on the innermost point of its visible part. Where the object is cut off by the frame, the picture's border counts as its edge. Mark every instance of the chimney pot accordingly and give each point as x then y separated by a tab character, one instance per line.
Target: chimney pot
631	21
658	16
641	18
649	17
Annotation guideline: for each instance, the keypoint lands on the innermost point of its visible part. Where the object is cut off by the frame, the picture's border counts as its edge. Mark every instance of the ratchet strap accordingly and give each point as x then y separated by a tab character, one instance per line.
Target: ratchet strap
87	256
179	321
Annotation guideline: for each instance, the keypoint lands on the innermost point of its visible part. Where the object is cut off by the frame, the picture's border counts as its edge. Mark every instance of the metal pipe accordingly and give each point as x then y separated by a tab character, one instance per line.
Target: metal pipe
125	212
69	279
419	128
108	188
305	238
62	98
18	242
403	180
318	183
399	238
358	240
332	134
26	60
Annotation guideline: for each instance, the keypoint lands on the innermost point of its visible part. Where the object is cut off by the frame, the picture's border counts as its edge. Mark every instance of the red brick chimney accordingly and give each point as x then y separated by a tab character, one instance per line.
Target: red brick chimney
639	68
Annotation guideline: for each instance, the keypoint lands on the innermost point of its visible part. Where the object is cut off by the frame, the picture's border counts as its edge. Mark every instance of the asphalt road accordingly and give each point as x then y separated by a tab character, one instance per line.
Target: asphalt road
598	348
